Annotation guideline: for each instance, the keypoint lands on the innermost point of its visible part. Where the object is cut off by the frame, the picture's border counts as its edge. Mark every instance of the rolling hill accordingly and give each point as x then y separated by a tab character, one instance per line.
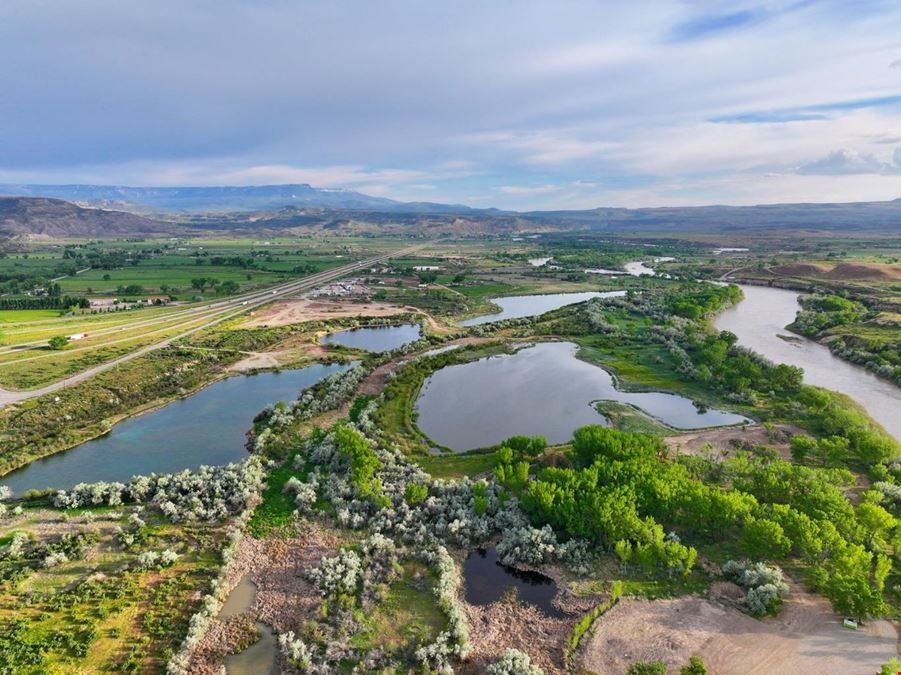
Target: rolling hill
39	218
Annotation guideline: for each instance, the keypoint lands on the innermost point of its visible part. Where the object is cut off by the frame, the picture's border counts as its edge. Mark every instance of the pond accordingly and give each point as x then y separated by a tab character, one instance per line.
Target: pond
541	390
375	338
520	306
639	269
759	322
487	580
205	428
258	658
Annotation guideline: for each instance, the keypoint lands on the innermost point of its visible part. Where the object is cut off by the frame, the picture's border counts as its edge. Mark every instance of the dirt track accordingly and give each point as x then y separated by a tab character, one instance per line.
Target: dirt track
805	638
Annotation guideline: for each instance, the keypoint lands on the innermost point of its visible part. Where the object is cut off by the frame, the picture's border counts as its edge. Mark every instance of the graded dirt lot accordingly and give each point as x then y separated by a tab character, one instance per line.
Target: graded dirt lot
807	637
306	309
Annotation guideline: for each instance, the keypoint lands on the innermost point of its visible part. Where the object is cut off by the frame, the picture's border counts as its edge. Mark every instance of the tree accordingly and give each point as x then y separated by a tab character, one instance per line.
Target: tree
647	668
765	538
199	283
427	277
58	342
801	447
526	446
228	287
695	666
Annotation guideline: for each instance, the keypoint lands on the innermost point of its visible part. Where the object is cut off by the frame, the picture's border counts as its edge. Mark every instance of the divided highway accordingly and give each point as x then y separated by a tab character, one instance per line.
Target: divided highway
199	318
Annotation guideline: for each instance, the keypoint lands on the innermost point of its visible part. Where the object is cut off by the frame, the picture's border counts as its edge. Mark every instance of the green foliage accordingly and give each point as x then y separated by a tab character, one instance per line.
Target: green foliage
510	473
416	493
695	666
585	623
696	301
58	342
364	463
526	447
611	501
765	538
647	668
891	668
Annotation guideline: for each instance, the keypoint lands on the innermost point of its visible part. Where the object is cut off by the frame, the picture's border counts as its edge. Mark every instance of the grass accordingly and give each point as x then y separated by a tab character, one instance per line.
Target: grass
583	625
276	510
628	418
407	615
19	315
457	465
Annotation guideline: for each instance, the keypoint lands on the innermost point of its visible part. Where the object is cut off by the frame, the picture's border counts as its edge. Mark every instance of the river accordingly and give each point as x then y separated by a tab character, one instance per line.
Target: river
759	322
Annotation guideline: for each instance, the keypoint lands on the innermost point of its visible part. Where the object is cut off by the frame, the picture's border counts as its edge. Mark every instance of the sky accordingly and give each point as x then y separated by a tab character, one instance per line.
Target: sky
515	104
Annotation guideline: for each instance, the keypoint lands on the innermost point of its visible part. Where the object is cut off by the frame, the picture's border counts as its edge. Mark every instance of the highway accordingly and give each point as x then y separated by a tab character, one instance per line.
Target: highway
200	318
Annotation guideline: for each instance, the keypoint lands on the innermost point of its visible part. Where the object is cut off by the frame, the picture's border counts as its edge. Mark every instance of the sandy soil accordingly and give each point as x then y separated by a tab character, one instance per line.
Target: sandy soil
843	271
306	309
292	351
805	638
727	440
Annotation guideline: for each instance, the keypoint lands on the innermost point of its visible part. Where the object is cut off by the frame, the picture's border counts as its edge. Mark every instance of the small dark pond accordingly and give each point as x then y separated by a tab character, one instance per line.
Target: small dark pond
487	580
541	390
376	338
520	306
206	428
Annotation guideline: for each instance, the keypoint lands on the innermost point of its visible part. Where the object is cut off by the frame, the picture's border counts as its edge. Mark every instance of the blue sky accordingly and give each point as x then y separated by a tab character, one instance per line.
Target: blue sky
514	104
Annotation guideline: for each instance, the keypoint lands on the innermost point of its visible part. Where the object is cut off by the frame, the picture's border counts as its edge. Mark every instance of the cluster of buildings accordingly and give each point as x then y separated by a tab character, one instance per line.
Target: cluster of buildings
340	289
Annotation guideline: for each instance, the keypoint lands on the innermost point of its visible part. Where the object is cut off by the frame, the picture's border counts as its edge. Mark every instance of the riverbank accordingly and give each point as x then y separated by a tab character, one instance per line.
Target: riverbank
760	319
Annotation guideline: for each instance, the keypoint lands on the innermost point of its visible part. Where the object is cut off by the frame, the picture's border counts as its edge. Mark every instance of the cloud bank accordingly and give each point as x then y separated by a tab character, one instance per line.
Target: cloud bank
516	105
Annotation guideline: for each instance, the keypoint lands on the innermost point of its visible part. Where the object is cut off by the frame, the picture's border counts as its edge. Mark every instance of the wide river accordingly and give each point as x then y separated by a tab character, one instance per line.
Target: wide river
206	428
759	322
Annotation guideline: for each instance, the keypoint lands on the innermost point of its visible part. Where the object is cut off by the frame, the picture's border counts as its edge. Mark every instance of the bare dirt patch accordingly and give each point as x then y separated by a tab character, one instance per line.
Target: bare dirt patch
807	637
257	360
284	599
843	271
727	440
294	352
499	626
305	309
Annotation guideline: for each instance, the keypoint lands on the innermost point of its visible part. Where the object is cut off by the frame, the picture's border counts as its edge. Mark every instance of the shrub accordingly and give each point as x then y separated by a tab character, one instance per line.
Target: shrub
647	668
764	585
514	662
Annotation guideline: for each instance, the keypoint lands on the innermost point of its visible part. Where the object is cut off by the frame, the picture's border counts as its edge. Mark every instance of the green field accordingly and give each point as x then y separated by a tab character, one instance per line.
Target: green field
27	315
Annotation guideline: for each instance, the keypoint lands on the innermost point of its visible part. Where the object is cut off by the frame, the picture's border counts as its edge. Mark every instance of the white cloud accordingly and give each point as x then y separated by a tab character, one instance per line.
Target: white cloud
846	162
527	189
